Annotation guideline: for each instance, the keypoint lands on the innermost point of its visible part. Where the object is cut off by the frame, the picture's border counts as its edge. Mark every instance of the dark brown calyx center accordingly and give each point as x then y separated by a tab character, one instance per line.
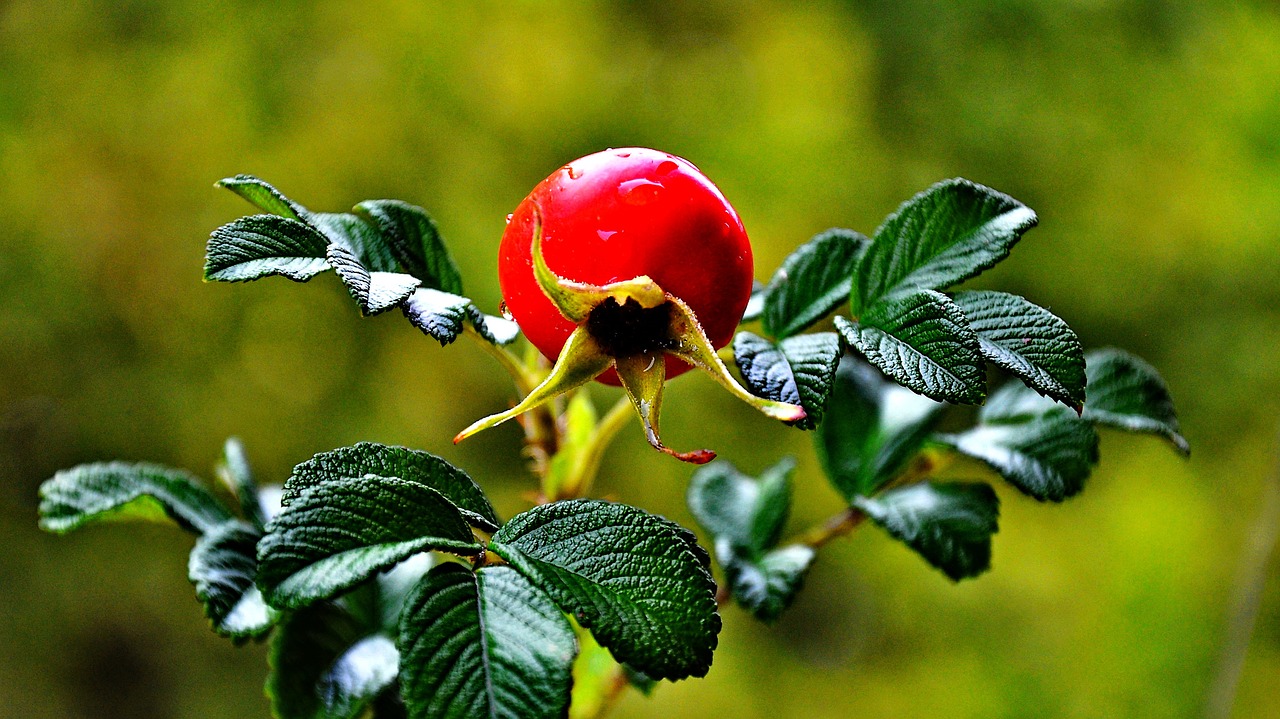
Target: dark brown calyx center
628	329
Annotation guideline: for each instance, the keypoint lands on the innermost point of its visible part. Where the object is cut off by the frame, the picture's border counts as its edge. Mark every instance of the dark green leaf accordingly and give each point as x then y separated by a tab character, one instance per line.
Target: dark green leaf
339	533
441	315
222	567
765	586
873	427
812	281
755	305
415	241
1015	402
1126	392
121	490
264	245
1029	341
325	664
375	292
380	460
264	196
394	586
498	330
944	235
948	523
798	370
923	342
628	576
488	644
1047	457
358	237
235	472
750	513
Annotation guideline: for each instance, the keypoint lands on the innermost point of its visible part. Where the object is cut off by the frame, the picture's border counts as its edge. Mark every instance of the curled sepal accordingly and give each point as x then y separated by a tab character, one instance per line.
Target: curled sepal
691	345
642	377
581	361
575	300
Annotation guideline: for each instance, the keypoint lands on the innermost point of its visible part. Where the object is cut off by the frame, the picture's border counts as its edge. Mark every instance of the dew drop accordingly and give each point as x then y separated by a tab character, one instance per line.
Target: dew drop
606	234
666	167
574	173
509	219
639	192
506	313
624	155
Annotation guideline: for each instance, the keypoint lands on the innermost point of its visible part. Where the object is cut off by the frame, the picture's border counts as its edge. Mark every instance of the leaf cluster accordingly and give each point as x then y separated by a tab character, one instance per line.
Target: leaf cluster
389	584
392	585
902	346
387	253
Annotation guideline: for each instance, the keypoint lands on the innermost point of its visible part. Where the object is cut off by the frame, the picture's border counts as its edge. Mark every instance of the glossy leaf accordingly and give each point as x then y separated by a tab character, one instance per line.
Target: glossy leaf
1047	457
374	291
944	235
797	370
755	304
123	491
258	246
948	523
767	584
358	237
341	532
441	315
264	196
873	427
1015	402
484	644
1127	393
1029	341
235	472
923	342
415	241
630	577
380	460
812	282
222	567
747	512
325	664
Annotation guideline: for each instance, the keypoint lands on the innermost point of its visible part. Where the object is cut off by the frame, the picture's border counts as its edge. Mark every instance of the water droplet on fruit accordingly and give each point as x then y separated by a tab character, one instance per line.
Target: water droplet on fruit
574	173
506	313
606	234
666	167
624	155
639	192
509	219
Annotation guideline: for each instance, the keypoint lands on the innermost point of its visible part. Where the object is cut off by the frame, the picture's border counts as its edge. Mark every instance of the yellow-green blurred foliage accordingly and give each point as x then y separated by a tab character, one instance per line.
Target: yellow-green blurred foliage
1146	133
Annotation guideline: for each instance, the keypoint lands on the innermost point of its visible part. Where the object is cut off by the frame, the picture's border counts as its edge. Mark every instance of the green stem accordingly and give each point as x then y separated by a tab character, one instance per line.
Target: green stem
541	438
838	525
524	380
578	484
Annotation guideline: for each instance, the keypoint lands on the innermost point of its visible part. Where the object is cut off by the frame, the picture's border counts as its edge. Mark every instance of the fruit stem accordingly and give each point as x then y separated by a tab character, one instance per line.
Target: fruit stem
523	380
578	483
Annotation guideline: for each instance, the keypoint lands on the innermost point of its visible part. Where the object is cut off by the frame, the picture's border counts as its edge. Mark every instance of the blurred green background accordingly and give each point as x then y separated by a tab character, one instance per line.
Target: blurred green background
1146	133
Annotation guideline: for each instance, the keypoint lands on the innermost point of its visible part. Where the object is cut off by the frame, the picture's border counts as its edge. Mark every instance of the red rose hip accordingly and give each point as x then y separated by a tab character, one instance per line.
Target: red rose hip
627	266
626	213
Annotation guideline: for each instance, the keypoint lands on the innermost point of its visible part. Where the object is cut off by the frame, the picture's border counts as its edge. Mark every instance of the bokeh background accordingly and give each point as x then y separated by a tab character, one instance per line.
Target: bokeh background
1146	133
